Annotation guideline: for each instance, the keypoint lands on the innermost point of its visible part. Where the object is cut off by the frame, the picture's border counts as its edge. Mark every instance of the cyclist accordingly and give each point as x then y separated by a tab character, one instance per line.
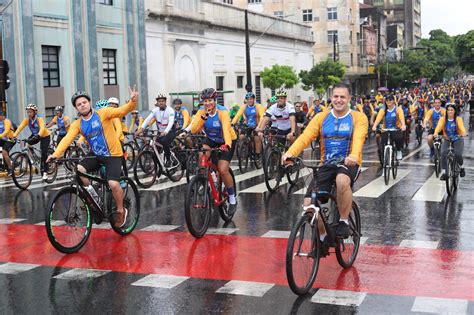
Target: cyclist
182	118
392	117
164	117
62	121
342	133
366	108
137	121
284	114
433	116
6	132
39	133
114	103
97	128
252	114
452	127
300	117
315	109
214	120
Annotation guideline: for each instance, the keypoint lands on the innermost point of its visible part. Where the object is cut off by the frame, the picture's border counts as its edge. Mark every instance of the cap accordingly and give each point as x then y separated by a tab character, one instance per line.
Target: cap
113	100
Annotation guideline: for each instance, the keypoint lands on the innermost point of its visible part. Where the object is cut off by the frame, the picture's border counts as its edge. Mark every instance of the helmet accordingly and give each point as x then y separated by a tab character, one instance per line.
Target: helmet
134	111
208	93
113	100
281	93
161	96
272	99
59	109
177	101
249	95
32	107
101	104
77	95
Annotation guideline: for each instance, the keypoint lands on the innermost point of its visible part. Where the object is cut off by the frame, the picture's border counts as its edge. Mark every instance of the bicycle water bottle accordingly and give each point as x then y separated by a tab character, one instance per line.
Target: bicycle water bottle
93	193
214	178
123	184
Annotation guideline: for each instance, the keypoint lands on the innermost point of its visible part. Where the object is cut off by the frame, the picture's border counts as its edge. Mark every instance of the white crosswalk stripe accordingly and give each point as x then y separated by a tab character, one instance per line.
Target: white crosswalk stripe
16	268
432	190
377	187
247	288
160	281
79	273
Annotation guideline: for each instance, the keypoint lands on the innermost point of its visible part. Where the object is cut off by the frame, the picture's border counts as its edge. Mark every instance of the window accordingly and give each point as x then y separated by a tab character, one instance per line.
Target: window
240	81
278	14
227	1
332	36
106	2
332	13
220	88
254	1
378	2
307	15
110	66
258	92
398	2
352	59
50	66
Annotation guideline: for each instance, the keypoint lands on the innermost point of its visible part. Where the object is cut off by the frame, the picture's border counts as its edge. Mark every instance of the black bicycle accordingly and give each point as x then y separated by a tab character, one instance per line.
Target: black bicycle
390	162
437	155
246	149
419	131
452	170
304	249
72	210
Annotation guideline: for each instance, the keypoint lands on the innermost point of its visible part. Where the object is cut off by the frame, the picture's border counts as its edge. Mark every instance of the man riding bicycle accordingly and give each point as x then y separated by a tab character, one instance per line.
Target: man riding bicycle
61	121
433	116
342	133
6	132
181	118
97	128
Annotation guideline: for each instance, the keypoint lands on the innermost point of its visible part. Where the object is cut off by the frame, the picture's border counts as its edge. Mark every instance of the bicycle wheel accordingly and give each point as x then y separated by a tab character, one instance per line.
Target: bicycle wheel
130	152
197	206
271	170
419	134
52	172
293	173
386	165
131	201
223	207
394	164
176	172
437	162
192	166
22	171
68	221
450	173
243	156
145	169
347	249
302	255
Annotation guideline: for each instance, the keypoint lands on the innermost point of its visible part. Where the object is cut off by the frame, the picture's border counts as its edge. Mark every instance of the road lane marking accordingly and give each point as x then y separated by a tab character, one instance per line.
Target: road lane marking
339	297
160	281
261	188
79	274
439	306
277	234
15	268
419	244
432	190
247	288
377	187
160	228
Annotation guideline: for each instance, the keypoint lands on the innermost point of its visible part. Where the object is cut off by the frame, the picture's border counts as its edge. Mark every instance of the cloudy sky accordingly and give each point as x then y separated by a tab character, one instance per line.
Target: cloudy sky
453	16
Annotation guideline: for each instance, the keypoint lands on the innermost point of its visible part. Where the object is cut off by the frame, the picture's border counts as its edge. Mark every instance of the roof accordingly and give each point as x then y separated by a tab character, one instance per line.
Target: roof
365	6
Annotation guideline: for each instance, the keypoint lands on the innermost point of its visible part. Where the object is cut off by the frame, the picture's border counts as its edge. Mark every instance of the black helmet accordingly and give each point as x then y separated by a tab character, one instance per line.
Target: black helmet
177	101
77	95
208	93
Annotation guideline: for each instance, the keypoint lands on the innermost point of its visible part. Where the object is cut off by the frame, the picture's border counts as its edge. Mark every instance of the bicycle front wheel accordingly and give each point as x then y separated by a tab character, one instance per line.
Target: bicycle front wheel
302	255
347	249
394	164
271	170
437	162
131	202
145	169
386	165
243	156
192	166
450	181
130	153
22	171
293	173
197	206
68	221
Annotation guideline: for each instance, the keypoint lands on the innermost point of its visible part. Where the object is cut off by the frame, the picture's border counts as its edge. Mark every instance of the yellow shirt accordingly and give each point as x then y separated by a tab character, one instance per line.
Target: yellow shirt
134	123
381	117
37	123
461	130
260	113
311	110
7	132
228	132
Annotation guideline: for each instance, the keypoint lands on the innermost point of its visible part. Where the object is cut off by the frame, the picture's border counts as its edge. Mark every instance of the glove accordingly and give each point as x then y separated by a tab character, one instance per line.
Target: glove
224	148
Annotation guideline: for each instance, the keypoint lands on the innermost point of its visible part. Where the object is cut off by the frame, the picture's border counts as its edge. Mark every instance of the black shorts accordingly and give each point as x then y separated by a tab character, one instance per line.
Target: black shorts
113	165
6	145
280	132
327	176
227	156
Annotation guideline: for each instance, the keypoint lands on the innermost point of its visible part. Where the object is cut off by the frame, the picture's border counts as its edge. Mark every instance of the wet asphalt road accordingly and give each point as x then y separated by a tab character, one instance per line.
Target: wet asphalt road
417	254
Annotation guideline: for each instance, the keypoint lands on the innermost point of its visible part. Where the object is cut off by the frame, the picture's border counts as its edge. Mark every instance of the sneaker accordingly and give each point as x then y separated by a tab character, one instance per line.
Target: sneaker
443	176
232	209
399	155
342	230
10	172
45	176
121	218
462	172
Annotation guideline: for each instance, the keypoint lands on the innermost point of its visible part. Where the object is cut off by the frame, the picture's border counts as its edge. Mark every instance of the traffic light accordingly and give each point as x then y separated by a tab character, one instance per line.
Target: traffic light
4	79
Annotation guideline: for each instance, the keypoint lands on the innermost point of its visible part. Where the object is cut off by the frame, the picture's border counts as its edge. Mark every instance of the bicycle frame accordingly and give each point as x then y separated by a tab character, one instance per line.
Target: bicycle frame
206	166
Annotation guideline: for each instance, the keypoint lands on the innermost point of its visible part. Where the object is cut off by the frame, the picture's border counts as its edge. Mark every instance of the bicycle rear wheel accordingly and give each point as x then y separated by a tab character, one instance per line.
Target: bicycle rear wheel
347	249
176	172
302	255
386	165
271	170
197	206
131	201
130	152
243	156
22	171
145	169
450	181
68	221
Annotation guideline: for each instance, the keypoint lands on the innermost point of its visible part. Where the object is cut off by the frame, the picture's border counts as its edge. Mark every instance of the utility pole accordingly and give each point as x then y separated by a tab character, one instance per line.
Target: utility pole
334	48
248	86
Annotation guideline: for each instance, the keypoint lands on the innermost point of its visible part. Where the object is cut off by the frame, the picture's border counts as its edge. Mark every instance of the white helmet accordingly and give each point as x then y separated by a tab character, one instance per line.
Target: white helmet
161	95
114	100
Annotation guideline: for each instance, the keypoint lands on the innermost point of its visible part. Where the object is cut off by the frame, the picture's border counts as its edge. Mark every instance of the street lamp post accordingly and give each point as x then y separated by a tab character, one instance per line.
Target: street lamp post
248	86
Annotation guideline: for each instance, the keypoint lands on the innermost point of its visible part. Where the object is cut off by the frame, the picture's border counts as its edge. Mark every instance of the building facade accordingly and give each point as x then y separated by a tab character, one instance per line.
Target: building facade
194	44
57	47
406	13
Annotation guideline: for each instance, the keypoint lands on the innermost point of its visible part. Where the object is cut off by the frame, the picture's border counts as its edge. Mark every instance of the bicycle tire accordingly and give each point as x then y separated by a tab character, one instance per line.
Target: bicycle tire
395	164
355	234
437	162
297	237
450	174
386	166
192	166
146	162
243	156
22	176
223	207
131	202
271	170
178	171
130	161
293	174
54	230
197	187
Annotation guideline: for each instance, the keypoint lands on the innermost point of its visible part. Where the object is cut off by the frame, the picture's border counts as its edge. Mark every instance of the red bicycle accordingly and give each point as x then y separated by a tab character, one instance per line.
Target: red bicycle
206	192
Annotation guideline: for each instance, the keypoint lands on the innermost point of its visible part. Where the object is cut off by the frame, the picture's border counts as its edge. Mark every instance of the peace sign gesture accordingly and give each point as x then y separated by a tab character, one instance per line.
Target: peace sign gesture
133	93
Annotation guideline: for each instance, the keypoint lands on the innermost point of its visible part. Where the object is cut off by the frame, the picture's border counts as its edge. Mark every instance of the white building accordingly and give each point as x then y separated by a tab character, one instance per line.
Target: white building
194	44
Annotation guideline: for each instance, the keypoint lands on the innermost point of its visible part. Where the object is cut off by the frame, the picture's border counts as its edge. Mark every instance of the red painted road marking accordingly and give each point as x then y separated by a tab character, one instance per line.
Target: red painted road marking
379	269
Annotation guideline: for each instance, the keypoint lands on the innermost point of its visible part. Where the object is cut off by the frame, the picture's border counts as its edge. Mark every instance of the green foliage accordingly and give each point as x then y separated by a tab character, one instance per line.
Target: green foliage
278	77
464	48
400	74
322	76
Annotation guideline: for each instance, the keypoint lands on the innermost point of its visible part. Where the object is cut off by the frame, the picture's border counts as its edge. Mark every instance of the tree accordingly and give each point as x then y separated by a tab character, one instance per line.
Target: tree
399	74
464	48
278	77
322	76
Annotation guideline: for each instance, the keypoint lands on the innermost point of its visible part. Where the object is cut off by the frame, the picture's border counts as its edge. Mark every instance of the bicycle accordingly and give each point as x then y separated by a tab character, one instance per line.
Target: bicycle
205	191
390	162
303	252
72	210
273	170
246	149
192	161
23	164
452	170
419	131
151	161
437	155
